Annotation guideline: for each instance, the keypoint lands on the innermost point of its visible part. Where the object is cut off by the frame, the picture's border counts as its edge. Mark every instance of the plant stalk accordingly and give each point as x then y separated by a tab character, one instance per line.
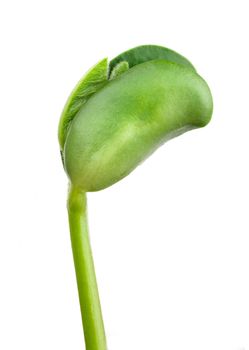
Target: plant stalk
91	314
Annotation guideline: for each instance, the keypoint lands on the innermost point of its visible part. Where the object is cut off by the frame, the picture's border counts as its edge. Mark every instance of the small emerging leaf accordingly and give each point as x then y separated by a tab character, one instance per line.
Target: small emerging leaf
94	80
119	69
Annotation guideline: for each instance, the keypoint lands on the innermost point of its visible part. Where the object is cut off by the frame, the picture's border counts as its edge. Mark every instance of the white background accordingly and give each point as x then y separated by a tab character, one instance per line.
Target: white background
171	241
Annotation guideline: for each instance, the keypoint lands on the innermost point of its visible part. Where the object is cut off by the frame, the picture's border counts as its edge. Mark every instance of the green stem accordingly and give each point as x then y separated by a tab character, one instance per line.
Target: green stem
87	285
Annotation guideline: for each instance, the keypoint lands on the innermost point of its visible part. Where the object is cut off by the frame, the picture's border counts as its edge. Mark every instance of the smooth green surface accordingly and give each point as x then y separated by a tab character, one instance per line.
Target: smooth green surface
132	115
87	286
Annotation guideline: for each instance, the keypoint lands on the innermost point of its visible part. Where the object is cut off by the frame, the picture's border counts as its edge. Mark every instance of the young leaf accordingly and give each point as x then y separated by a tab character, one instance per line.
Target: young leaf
146	53
94	80
119	69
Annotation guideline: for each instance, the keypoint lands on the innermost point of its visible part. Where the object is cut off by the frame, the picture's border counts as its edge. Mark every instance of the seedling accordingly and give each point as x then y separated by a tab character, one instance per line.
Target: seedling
117	115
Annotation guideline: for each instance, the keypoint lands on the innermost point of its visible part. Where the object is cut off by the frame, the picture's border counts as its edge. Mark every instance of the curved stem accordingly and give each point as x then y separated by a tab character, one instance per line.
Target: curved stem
87	286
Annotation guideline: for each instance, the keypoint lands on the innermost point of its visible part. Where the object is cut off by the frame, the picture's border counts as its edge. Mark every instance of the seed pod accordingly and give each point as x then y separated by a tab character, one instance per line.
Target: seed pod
120	113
